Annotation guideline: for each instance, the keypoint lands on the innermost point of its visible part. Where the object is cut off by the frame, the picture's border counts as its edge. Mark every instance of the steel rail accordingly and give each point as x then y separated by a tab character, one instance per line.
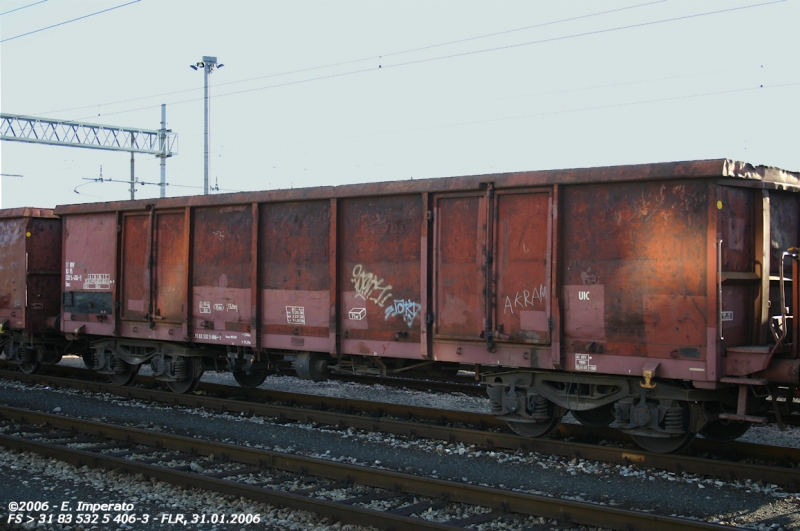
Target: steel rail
439	426
502	501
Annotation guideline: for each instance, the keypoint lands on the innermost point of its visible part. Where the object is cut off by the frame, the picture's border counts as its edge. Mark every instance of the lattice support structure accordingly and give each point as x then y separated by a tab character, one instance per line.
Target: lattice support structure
19	128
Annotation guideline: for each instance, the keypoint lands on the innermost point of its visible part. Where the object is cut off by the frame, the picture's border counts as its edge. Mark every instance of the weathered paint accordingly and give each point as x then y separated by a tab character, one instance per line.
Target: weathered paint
379	267
90	267
30	270
593	270
522	261
222	275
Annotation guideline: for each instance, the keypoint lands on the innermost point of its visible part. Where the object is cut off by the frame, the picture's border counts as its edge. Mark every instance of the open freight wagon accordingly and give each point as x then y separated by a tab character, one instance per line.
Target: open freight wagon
30	254
662	297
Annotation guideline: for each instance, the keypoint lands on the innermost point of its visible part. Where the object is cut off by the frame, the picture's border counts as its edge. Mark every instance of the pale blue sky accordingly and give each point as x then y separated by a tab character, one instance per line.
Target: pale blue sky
569	95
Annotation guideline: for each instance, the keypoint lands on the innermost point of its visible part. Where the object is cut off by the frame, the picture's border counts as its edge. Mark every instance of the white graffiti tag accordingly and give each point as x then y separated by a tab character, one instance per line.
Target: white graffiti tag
525	298
407	308
370	287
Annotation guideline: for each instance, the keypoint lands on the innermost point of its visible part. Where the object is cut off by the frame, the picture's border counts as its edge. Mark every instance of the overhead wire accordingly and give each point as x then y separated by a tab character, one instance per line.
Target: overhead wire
461	54
584	109
371	58
551	113
23	7
68	21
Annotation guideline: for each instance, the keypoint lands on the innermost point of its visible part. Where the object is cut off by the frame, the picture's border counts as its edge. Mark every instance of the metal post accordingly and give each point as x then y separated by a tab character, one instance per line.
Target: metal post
133	190
162	137
207	70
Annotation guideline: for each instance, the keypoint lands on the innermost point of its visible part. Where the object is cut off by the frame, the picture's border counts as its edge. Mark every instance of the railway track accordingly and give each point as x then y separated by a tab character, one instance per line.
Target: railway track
732	461
363	495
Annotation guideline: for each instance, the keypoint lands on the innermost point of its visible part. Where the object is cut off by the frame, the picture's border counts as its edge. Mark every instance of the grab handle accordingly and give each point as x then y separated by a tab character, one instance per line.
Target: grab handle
719	289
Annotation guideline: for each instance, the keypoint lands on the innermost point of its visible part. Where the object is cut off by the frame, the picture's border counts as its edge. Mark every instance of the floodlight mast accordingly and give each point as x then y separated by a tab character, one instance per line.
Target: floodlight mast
208	64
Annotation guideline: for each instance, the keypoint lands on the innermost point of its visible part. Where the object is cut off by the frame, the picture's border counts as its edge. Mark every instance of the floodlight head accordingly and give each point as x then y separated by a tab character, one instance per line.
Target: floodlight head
201	64
220	65
193	67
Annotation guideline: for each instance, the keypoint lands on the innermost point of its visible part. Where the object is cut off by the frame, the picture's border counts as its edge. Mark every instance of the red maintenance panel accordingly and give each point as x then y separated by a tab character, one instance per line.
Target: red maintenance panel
90	258
380	275
295	275
222	273
635	277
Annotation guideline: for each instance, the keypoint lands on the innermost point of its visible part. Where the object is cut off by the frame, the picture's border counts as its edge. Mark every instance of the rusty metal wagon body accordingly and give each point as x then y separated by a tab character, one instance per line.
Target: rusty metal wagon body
30	273
628	294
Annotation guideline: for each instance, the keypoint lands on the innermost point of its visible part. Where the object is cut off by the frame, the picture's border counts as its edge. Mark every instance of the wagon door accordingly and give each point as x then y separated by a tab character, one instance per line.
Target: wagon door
460	300
169	285
135	268
522	228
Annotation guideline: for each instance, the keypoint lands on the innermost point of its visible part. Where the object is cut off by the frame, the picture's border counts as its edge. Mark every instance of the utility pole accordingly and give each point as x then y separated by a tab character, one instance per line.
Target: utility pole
162	138
207	64
133	190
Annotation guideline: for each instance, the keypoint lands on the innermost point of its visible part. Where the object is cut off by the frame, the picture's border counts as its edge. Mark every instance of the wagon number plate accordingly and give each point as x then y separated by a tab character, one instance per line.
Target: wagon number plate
727	316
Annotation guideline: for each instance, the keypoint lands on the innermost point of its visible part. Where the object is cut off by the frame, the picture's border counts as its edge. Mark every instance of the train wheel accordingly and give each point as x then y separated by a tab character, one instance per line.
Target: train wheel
52	357
599	417
88	359
724	430
194	371
666	445
124	372
537	429
255	378
29	362
663	445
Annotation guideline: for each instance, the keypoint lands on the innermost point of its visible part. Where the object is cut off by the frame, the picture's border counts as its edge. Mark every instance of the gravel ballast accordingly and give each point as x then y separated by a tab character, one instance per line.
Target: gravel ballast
738	503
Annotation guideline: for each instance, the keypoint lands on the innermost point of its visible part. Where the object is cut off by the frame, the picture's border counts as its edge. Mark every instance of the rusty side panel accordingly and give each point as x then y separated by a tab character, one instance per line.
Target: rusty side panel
295	279
523	232
12	272
736	229
634	272
170	283
90	257
222	275
44	271
380	275
135	267
460	287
